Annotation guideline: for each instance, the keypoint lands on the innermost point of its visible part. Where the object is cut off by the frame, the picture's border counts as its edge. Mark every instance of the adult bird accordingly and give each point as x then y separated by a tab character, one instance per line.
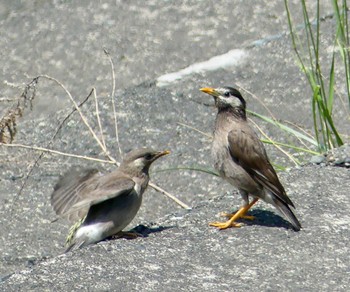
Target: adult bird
241	159
103	205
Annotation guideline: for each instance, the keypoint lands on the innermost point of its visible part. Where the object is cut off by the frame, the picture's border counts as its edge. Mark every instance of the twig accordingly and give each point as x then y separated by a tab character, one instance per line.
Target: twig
300	129
69	115
195	129
98	118
176	200
154	186
99	142
42	149
111	159
258	99
51	151
7	99
81	115
113	104
274	144
8	123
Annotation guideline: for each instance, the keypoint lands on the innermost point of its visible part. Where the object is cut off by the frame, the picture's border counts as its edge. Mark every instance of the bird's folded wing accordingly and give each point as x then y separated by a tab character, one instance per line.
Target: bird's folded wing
249	152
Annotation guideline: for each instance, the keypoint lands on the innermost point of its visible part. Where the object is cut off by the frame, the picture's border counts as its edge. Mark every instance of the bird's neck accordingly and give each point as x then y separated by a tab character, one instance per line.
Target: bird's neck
142	180
141	174
236	112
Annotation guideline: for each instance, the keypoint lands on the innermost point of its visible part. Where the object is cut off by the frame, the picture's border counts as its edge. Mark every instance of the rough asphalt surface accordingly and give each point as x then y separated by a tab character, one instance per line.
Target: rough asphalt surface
179	251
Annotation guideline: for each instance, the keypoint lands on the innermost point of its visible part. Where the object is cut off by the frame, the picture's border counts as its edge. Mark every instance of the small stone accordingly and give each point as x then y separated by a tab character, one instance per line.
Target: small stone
330	158
317	159
339	162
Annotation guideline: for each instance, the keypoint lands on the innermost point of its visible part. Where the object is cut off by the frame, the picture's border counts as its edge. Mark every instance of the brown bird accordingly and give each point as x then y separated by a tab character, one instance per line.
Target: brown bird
241	159
103	204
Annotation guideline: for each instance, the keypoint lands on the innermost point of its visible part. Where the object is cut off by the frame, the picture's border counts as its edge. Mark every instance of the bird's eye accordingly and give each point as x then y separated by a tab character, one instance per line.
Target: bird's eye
227	94
149	156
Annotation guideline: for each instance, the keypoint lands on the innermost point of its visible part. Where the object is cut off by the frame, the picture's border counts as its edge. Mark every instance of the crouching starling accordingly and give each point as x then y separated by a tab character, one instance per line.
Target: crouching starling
102	205
241	159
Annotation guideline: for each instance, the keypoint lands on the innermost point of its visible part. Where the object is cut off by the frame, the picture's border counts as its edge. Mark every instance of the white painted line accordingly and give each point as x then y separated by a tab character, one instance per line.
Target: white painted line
228	60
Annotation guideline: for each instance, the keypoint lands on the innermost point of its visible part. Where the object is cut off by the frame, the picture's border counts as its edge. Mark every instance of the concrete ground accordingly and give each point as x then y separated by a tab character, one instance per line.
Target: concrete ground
163	53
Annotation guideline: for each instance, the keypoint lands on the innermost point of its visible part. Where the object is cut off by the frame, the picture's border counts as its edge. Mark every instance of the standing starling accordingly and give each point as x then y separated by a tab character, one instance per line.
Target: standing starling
241	159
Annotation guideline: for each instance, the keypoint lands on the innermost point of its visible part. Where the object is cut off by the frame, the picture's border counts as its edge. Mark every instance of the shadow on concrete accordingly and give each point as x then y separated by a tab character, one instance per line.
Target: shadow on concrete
140	231
267	219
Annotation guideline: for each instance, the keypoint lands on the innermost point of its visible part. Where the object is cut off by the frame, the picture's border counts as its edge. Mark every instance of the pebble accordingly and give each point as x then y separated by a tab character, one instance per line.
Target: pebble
317	159
339	156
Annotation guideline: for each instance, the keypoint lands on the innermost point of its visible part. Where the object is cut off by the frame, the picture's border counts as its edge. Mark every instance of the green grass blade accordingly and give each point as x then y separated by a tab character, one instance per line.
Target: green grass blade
299	149
286	128
331	86
192	168
314	117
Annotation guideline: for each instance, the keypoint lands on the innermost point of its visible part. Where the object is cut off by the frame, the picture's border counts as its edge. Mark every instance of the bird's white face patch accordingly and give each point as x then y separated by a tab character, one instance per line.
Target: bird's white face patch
226	98
139	162
221	90
233	101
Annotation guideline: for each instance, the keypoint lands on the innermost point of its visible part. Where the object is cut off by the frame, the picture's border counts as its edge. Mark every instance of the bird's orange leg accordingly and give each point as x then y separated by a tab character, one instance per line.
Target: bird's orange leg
233	217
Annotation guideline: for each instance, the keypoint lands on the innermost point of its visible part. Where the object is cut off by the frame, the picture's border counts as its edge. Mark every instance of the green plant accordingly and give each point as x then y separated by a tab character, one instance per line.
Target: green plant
322	85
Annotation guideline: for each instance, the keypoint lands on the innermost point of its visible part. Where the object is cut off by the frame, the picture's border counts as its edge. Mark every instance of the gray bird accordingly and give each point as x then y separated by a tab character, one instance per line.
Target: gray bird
102	205
241	159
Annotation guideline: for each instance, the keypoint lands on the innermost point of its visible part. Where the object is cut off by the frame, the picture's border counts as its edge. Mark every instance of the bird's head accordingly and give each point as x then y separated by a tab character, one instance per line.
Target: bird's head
226	98
140	160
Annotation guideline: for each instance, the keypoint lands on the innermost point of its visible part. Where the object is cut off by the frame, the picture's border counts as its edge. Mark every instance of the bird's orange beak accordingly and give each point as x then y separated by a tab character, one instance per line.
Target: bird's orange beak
208	90
162	153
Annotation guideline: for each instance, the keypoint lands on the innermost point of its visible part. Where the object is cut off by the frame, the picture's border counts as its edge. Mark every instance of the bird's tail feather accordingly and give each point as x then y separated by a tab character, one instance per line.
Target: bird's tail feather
75	246
288	213
71	241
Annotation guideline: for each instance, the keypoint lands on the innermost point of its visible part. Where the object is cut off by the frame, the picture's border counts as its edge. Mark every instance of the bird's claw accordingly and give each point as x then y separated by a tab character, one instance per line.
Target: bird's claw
225	225
230	215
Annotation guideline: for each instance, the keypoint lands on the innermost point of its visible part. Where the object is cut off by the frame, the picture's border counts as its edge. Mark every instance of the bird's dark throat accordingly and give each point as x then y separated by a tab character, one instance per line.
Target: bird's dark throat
237	112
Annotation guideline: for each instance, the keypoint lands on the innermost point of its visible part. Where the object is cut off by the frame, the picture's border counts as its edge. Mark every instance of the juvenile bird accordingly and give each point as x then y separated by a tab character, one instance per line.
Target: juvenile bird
102	205
241	159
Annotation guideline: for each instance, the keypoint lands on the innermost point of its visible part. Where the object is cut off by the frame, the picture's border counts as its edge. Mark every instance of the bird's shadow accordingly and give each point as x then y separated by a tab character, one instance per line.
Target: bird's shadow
146	230
141	231
266	218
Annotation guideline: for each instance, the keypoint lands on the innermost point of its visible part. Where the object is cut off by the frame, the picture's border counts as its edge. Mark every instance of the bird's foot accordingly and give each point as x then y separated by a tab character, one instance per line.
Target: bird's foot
127	235
230	215
241	213
225	225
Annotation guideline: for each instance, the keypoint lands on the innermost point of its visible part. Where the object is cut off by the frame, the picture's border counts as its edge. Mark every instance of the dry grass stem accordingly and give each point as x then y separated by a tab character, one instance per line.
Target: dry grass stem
112	160
6	99
51	151
101	142
8	123
83	118
259	100
195	129
31	167
274	144
176	200
98	118
301	130
113	103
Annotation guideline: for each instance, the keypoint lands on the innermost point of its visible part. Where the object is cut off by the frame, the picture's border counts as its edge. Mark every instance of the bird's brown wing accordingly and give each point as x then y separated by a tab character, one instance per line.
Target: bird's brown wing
66	191
79	189
248	151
